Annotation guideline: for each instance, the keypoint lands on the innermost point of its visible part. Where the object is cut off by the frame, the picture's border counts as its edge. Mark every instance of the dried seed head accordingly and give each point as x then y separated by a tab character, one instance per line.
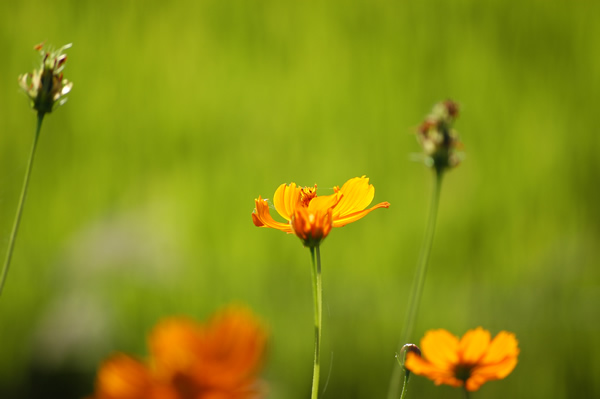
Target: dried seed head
438	138
46	87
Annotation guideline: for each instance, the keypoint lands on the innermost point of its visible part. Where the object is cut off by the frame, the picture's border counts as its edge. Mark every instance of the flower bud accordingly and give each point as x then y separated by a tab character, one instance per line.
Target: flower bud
402	357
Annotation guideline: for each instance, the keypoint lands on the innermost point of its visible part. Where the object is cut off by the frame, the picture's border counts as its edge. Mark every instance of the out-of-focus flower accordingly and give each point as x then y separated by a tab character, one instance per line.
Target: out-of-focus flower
46	87
189	360
219	358
311	217
470	361
438	138
123	377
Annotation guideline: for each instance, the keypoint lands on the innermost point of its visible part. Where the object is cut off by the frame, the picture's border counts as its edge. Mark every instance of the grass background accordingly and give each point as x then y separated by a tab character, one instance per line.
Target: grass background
182	113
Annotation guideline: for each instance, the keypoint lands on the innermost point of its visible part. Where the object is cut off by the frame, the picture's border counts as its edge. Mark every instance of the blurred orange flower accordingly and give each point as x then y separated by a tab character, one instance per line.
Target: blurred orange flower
470	361
123	377
311	217
189	360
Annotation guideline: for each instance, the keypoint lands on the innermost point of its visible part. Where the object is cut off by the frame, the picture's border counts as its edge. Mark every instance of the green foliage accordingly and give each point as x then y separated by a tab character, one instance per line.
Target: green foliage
182	113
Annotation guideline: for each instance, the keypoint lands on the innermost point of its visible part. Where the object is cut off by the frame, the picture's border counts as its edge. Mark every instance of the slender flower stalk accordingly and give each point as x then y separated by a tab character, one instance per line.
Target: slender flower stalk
46	89
418	283
439	142
404	386
17	222
318	312
311	218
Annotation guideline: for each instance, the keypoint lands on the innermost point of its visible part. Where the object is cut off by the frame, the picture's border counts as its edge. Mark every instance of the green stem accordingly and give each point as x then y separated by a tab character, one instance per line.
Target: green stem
466	392
318	303
418	283
404	386
15	229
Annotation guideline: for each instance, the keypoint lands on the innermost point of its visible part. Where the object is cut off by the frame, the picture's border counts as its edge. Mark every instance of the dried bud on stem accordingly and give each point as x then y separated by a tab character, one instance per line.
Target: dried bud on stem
438	138
46	87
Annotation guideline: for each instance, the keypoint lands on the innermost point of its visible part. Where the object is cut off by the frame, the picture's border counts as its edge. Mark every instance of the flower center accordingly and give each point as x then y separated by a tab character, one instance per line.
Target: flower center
463	372
307	194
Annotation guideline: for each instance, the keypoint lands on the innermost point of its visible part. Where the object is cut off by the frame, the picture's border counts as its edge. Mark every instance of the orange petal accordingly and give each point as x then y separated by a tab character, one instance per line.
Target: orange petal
232	349
420	366
496	371
475	382
502	346
123	377
358	215
285	199
440	348
312	226
262	217
473	345
357	194
175	345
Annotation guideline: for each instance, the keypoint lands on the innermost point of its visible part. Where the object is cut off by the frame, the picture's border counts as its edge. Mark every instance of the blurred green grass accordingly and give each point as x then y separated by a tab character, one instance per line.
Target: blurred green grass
183	113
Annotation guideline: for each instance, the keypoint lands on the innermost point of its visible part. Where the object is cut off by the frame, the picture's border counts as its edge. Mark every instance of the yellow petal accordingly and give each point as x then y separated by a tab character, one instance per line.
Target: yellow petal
285	200
440	348
324	203
353	217
357	194
473	345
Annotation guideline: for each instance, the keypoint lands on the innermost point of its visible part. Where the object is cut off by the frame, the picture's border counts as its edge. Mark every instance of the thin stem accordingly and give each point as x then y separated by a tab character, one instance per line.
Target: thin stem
418	283
318	303
404	386
466	392
15	229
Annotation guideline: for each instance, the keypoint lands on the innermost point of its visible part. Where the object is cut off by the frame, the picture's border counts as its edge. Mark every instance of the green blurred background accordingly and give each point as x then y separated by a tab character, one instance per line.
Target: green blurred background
183	112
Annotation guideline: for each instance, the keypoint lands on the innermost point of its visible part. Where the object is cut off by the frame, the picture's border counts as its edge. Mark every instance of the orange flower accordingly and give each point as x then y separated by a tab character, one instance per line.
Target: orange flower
472	360
123	377
311	217
222	357
190	360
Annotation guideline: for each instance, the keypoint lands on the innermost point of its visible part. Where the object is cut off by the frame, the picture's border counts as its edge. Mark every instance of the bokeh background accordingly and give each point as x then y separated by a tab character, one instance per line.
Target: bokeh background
182	113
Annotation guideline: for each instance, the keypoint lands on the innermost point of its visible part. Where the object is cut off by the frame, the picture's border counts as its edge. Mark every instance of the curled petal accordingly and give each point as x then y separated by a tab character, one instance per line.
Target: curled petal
262	218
